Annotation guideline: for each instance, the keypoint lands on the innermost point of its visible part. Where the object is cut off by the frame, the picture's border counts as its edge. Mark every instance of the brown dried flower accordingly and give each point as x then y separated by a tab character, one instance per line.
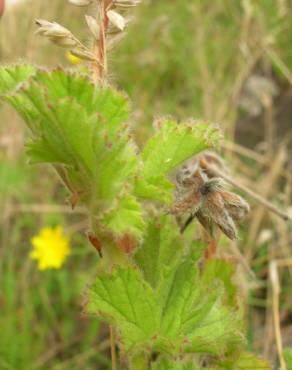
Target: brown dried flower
205	196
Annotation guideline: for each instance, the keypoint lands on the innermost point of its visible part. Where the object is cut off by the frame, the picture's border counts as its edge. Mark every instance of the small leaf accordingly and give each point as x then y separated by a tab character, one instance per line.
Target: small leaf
125	218
155	188
174	143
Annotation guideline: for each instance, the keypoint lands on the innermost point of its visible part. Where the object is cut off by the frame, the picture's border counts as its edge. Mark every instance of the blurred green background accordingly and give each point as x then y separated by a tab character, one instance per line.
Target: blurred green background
226	61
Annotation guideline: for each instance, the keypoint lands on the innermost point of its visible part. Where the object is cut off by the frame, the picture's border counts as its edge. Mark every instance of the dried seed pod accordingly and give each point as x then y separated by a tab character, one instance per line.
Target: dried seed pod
80	2
214	208
236	205
56	33
190	203
83	54
51	29
116	19
126	4
93	26
63	42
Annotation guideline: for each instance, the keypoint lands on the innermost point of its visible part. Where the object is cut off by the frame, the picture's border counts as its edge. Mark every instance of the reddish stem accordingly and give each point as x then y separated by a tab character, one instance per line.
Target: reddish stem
211	249
100	46
2	6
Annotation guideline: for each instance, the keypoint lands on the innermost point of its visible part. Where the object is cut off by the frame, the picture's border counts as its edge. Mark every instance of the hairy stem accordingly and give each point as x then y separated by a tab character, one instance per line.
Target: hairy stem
100	67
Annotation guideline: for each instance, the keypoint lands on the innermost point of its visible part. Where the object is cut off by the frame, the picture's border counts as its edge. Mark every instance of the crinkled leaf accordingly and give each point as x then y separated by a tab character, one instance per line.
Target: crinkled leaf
111	107
116	166
128	302
161	248
158	188
12	79
192	313
245	361
223	271
80	126
170	364
67	132
105	148
125	218
220	330
174	143
183	316
13	76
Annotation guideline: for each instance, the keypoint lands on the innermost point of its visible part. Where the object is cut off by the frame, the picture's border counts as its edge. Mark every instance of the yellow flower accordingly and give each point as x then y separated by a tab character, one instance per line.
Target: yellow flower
72	58
50	248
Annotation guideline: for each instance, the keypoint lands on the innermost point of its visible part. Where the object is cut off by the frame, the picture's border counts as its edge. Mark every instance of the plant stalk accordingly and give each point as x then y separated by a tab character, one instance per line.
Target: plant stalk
113	348
100	67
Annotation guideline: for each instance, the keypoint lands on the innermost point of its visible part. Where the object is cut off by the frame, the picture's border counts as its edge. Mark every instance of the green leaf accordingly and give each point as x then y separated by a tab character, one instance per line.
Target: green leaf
192	314
170	364
181	315
81	126
13	76
223	271
157	188
125	218
174	143
12	79
219	331
128	302
288	357
245	361
111	107
66	136
161	249
188	313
